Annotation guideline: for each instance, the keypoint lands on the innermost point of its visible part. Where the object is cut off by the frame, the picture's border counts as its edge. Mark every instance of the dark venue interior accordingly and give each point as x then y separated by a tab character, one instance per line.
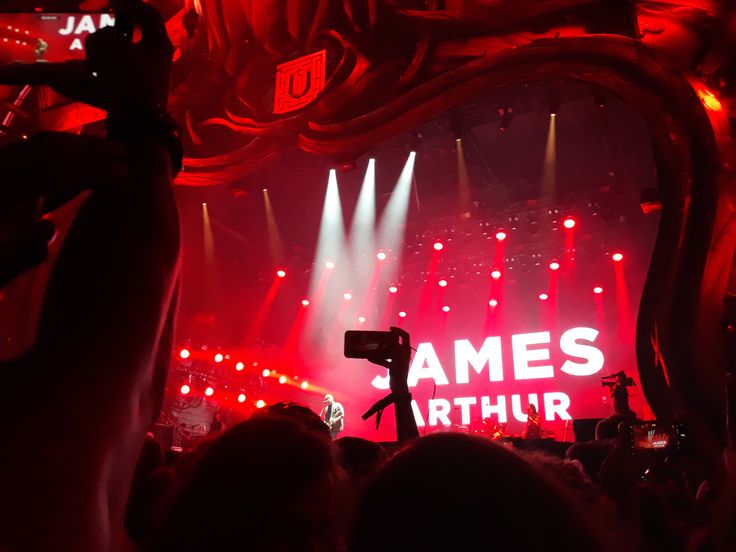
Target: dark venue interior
368	275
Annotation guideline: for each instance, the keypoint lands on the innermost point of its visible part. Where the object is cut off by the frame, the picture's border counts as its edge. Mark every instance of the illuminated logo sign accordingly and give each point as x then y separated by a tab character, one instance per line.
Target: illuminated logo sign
531	361
77	27
299	82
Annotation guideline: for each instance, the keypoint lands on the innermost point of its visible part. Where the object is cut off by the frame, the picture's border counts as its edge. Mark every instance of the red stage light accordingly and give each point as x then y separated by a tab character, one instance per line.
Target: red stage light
500	235
442	283
445	309
618	257
709	99
260	403
304	385
569	223
402	314
438	246
493	303
361	319
219	357
282	380
239	366
281	273
241	398
347	296
305	303
330	265
184	353
554	265
381	256
393	289
185	389
266	372
209	391
543	296
597	290
496	274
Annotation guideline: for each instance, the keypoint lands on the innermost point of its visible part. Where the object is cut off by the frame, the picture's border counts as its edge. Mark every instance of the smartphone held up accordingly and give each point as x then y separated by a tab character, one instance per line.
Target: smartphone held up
367	344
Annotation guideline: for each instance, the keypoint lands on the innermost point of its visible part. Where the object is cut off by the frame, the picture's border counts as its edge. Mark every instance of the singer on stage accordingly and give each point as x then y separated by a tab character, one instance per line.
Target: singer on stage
332	414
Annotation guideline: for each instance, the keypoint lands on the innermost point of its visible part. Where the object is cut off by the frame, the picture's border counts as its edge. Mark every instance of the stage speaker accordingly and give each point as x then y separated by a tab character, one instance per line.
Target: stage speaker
584	429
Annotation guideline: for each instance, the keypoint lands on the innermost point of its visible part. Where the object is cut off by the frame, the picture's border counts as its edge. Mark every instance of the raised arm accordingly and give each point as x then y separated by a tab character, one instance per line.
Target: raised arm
92	384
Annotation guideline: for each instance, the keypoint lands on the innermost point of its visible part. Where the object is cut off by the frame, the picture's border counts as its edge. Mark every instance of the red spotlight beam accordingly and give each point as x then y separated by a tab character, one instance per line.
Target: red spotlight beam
429	288
369	297
297	327
316	300
624	313
549	310
262	313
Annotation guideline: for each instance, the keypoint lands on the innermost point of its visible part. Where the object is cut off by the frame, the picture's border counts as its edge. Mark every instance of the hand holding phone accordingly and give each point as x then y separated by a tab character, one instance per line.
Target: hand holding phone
653	438
391	349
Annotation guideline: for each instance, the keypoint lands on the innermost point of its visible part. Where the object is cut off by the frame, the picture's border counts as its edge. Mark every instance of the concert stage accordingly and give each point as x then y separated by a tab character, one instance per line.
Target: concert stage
513	250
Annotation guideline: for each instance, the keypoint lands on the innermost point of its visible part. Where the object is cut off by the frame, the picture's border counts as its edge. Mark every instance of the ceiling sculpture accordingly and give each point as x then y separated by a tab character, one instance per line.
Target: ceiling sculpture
252	77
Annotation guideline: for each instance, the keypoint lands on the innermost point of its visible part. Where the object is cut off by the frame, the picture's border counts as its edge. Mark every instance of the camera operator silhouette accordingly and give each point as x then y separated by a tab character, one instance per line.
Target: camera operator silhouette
618	383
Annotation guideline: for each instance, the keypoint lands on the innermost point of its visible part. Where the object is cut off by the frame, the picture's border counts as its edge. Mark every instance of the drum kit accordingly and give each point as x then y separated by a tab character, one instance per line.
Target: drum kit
491	429
482	428
488	428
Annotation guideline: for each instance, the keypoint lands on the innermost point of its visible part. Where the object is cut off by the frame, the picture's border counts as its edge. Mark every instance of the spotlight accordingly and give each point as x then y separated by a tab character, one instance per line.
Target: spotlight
415	141
345	165
260	403
507	115
361	319
239	366
442	283
553	102
330	265
282	380
457	126
597	290
241	398
500	235
496	274
305	302
543	296
438	246
184	353
219	357
709	99
532	222
393	289
185	389
266	372
402	314
569	223
381	256
209	391
554	265
304	385
600	98
618	257
445	309
492	303
347	296
281	273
